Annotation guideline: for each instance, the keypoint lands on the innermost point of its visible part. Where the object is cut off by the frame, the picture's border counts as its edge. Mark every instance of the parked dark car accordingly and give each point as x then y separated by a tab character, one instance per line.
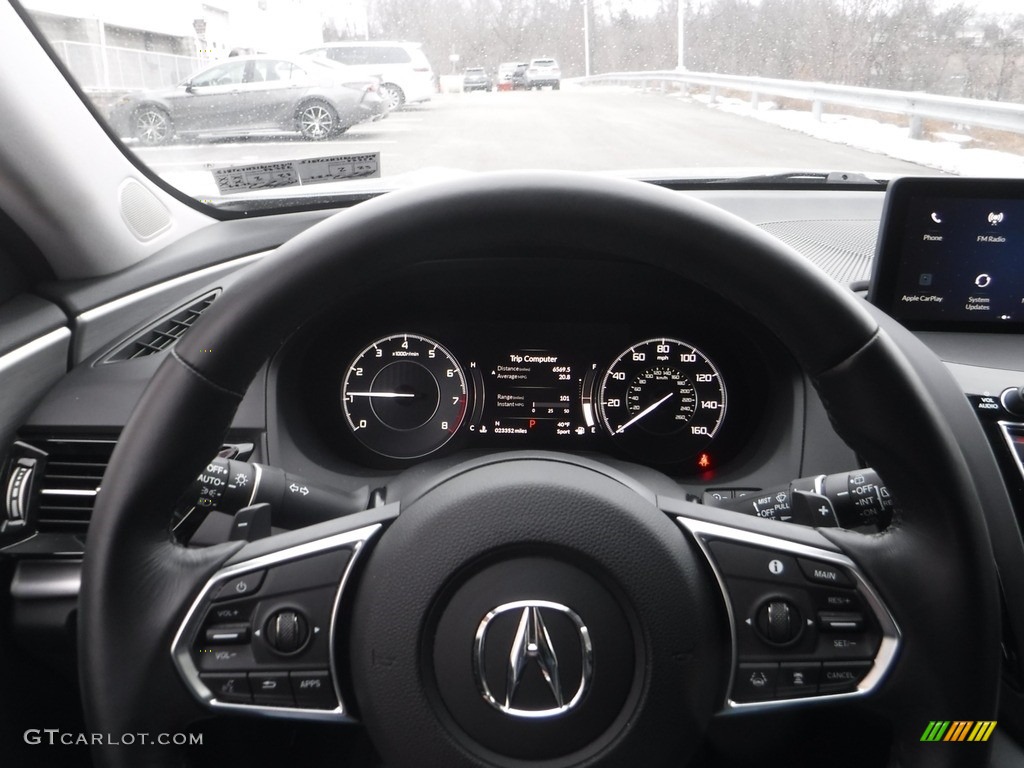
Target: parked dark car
316	98
519	77
505	72
476	79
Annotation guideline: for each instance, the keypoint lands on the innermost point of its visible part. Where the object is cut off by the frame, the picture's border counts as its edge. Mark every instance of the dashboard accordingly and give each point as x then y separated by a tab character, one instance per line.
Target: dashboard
473	354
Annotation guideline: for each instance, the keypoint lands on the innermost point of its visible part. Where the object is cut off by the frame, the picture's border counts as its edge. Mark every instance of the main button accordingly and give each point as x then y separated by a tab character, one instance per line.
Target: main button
824	573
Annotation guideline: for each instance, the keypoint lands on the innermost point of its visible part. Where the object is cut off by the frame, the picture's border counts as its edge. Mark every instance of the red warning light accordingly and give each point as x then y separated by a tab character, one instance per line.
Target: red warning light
533	423
704	461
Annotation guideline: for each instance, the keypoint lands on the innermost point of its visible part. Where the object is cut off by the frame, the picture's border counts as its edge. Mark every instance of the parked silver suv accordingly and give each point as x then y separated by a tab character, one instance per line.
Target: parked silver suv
543	72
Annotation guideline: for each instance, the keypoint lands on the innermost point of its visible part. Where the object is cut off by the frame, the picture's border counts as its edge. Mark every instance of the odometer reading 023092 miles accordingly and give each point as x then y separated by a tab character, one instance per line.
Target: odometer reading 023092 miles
404	396
662	400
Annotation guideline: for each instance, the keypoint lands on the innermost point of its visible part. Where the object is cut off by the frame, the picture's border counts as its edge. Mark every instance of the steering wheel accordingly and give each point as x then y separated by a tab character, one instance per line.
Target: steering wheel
541	609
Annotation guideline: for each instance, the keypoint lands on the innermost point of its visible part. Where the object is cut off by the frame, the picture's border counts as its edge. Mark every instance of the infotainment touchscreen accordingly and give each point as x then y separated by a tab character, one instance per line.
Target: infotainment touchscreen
951	254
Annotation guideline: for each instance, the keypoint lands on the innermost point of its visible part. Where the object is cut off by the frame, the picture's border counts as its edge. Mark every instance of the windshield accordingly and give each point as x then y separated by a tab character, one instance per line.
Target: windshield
250	100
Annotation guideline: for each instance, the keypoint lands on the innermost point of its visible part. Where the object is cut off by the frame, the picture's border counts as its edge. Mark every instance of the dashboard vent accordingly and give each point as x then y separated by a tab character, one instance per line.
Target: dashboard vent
71	476
162	334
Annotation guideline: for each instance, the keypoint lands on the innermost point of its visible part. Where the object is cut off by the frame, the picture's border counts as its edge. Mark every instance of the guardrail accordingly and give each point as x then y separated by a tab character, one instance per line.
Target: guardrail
914	104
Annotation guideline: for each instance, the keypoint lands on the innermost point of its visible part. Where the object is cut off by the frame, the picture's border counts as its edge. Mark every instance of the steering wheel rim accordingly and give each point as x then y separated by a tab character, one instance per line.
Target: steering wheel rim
889	399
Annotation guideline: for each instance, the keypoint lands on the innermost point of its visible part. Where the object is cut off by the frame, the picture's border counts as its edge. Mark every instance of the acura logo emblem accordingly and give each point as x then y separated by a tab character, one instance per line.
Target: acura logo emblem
533	653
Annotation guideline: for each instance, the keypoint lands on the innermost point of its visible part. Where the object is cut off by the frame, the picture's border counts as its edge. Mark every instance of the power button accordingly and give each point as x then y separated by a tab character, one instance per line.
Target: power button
241	586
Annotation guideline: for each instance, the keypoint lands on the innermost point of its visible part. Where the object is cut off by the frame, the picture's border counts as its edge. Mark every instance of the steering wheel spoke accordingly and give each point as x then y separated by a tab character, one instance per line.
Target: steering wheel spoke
259	638
807	627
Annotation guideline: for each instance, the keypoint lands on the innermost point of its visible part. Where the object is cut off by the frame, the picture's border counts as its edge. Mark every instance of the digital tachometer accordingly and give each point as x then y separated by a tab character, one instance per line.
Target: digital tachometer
404	396
662	400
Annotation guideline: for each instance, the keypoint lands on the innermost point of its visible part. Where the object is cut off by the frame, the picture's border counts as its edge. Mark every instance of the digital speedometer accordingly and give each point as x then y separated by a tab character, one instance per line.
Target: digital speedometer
404	396
662	400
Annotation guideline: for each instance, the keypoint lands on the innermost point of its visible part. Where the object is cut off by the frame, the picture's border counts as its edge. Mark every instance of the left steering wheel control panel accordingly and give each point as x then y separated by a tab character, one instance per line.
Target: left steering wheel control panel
259	636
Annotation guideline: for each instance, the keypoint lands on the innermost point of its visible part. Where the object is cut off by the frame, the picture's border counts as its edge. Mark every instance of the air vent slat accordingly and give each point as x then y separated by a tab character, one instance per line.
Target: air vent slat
67	502
164	333
175	332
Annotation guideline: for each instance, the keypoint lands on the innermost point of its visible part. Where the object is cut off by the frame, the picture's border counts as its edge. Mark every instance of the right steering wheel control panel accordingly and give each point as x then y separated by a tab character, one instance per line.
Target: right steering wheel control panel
805	622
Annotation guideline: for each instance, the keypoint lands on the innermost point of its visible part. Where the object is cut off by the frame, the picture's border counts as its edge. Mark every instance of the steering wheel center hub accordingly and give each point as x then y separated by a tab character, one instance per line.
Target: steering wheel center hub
532	609
552	656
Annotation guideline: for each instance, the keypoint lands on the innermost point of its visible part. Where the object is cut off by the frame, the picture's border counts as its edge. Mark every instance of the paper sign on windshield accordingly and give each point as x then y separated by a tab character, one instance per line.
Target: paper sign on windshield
314	170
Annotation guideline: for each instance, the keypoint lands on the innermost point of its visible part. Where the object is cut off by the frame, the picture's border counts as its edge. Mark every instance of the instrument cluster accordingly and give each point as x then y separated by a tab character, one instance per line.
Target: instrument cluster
510	353
659	399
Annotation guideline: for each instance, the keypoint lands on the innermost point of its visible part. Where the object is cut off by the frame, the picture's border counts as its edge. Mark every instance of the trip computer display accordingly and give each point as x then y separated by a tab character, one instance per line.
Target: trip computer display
951	254
534	391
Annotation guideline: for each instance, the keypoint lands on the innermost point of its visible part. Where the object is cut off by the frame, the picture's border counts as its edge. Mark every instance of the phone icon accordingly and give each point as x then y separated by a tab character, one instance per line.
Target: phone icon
936	217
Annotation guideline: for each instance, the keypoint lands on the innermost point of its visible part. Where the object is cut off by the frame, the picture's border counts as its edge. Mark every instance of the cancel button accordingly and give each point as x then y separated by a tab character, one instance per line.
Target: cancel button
843	676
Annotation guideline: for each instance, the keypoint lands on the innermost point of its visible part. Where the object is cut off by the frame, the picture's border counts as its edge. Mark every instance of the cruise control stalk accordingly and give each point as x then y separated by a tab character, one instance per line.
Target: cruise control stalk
857	499
229	485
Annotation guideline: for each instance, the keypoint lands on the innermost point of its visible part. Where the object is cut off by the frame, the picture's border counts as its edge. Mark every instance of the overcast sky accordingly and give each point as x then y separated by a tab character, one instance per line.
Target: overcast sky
983	6
988	6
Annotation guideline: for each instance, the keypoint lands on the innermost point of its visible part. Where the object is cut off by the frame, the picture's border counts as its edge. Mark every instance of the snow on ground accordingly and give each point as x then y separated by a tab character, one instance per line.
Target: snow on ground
950	152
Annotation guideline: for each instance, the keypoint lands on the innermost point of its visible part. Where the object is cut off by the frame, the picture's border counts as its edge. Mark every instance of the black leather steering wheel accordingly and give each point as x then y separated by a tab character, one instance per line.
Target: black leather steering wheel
632	566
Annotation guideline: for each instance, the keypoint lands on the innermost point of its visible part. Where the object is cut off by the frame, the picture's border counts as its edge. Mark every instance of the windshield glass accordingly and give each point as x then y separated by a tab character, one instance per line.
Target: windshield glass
236	100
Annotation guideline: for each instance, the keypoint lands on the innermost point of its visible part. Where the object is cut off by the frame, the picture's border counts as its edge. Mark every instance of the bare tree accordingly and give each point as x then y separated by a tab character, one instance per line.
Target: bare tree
901	44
